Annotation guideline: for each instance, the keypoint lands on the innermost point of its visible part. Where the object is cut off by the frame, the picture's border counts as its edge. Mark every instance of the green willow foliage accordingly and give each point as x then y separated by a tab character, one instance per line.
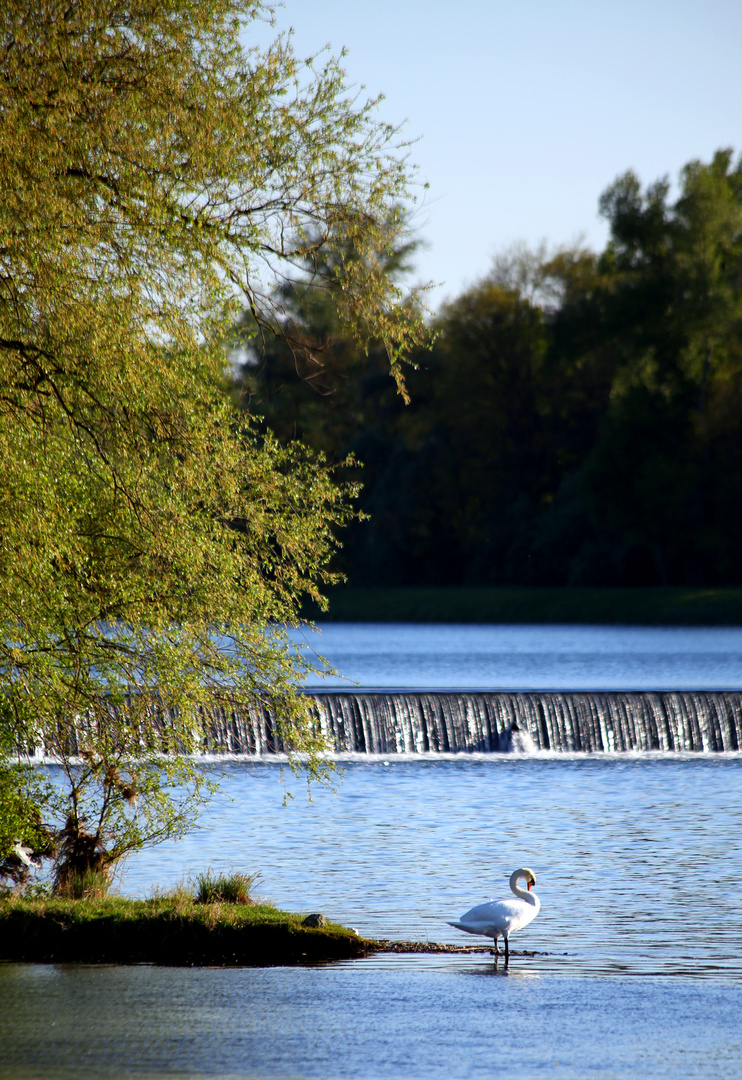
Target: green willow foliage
155	176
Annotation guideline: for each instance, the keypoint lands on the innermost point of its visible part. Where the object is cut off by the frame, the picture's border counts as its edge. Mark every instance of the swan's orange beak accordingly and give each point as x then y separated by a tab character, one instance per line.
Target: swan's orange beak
530	885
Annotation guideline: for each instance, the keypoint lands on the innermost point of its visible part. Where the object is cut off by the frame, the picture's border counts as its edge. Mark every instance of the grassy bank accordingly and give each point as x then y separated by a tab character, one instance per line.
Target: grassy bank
172	930
668	606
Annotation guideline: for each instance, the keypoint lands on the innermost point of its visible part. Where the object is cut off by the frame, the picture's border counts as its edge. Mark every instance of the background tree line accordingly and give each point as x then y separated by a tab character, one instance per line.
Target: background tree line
576	422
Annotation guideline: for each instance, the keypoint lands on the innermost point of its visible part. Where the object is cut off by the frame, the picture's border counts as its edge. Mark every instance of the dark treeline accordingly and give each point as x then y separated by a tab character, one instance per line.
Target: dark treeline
577	421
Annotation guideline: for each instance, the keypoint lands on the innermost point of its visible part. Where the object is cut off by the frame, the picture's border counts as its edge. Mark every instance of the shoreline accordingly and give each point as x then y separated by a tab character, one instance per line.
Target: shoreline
174	933
655	605
166	931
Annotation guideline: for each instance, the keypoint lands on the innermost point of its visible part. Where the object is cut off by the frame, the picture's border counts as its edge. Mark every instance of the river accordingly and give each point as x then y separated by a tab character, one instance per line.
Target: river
636	968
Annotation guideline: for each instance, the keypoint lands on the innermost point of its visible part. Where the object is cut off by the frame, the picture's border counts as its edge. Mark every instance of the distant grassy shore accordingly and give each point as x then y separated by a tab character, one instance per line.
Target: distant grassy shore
669	606
166	930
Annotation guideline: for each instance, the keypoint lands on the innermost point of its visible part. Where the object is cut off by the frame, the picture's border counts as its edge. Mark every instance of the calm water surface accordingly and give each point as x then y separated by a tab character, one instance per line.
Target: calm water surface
411	1020
638	971
393	656
638	863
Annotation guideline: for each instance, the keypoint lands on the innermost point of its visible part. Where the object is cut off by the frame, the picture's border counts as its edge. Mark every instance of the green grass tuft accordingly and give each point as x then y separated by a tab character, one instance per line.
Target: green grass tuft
84	885
225	888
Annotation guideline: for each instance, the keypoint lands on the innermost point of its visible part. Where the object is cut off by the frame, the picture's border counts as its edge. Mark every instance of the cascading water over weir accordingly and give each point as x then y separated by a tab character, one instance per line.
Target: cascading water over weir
419	722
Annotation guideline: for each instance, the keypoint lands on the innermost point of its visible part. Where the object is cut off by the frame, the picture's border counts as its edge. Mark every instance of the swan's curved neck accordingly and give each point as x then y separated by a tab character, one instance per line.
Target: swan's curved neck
522	894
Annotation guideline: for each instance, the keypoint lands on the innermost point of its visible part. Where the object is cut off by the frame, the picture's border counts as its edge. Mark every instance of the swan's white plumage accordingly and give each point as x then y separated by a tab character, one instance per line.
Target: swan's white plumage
500	918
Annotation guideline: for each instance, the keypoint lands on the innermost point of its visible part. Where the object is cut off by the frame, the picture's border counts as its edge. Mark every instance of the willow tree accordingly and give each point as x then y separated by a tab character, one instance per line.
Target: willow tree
156	176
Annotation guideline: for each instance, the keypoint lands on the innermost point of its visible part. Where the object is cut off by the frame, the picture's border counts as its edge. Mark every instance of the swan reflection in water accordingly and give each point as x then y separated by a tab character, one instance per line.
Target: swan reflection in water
500	918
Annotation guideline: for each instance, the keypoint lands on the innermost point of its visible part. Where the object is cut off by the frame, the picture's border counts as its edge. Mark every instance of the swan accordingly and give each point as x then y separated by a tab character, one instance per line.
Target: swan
500	918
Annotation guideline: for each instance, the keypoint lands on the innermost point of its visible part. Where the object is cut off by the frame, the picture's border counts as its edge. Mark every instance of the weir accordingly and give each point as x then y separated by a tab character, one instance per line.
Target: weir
420	722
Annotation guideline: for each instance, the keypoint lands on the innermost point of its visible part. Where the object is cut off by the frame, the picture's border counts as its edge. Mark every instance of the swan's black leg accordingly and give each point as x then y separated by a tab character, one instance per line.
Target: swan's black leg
497	951
507	953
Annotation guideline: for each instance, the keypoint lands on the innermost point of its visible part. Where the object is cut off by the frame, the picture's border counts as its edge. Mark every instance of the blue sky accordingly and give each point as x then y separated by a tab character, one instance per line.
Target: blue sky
526	110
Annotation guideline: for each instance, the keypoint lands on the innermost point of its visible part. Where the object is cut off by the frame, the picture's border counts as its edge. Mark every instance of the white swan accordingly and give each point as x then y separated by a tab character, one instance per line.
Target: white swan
500	918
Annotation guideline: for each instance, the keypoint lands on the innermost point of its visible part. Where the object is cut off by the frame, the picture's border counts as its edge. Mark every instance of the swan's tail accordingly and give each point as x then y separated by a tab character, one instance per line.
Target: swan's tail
469	929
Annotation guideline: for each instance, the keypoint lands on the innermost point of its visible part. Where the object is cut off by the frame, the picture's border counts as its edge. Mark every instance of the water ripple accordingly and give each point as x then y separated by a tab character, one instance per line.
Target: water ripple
638	859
